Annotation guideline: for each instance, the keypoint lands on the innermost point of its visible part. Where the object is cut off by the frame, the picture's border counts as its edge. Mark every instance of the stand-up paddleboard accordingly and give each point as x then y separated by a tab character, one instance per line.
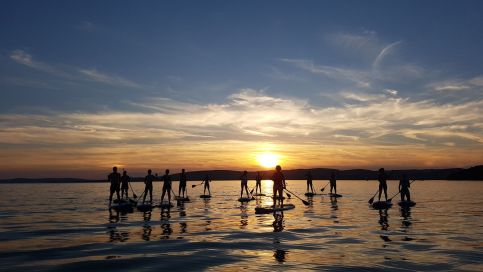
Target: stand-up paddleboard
165	205
279	198
310	194
271	209
205	196
259	194
406	204
244	199
145	207
334	195
381	205
122	207
180	198
124	200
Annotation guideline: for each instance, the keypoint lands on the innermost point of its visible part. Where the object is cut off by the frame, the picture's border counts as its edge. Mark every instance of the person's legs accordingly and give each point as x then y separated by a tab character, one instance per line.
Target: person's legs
163	193
117	193
169	194
145	193
246	189
280	193
408	195
380	191
110	196
385	191
151	194
335	188
274	196
241	191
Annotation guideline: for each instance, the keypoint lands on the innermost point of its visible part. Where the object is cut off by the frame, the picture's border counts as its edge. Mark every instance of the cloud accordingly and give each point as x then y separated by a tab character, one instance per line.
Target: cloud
72	72
385	52
455	85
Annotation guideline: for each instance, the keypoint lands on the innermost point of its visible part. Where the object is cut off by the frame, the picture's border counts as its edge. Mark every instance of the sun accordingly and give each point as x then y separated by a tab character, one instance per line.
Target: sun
267	160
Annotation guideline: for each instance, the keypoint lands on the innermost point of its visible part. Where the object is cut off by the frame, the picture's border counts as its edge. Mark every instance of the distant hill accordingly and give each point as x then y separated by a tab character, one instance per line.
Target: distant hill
473	173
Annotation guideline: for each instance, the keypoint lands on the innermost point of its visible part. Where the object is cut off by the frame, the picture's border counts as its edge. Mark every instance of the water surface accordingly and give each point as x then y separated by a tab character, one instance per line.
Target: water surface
67	227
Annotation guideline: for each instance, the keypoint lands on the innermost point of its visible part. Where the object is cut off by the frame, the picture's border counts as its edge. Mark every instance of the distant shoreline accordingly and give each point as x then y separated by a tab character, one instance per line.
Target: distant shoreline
472	173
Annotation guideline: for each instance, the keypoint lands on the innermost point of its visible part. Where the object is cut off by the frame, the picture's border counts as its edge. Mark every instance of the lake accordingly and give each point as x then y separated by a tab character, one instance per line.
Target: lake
67	227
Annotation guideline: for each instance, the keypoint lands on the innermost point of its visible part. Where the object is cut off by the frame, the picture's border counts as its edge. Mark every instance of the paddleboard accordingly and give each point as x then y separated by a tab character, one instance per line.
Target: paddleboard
259	194
205	196
180	198
334	195
310	194
271	209
145	207
380	205
406	204
279	197
122	207
244	199
165	205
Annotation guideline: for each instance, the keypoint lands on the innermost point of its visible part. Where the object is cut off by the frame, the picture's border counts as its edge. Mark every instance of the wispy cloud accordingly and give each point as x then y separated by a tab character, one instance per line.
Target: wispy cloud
95	75
384	52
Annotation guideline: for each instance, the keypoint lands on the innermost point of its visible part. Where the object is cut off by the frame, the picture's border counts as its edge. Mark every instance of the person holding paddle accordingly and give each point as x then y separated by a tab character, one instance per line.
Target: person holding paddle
148	181
166	186
278	185
258	183
309	182
182	183
404	185
207	181
333	183
244	183
115	179
382	178
125	179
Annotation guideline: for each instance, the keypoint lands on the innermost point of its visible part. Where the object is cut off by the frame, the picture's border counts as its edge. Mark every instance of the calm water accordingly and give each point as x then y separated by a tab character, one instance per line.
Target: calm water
68	227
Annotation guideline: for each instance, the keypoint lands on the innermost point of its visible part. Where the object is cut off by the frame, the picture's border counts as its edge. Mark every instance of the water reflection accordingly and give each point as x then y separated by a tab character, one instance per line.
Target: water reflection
333	209
244	217
278	222
147	229
406	217
280	255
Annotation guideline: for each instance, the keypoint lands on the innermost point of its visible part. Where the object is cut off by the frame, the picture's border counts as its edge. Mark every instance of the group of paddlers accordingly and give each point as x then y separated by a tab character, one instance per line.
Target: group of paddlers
122	184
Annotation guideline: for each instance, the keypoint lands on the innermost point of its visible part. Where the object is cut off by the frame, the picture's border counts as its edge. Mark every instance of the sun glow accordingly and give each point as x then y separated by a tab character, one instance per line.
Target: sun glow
268	160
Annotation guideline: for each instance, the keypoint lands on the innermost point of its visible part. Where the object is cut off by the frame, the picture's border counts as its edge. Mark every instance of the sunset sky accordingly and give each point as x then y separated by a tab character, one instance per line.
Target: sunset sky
86	85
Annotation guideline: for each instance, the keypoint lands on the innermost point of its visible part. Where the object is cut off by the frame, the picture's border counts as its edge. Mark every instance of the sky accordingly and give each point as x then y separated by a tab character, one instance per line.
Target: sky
87	85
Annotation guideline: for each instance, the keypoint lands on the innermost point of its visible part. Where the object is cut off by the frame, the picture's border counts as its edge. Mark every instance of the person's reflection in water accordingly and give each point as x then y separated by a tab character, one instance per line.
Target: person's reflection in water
278	221
113	216
280	255
167	231
183	227
244	217
147	229
406	216
114	234
383	219
333	209
165	213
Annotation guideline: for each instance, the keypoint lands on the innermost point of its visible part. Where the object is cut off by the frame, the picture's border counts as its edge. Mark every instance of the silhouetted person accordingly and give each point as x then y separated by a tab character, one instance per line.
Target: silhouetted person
404	188
382	178
182	183
125	179
166	186
278	185
148	181
115	179
333	183
309	182
258	183
207	181
244	183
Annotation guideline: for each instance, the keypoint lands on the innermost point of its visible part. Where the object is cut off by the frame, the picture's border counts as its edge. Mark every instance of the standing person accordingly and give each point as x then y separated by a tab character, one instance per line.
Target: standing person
115	179
309	182
333	183
258	183
244	183
182	183
207	181
125	179
404	188
166	186
278	185
382	178
148	181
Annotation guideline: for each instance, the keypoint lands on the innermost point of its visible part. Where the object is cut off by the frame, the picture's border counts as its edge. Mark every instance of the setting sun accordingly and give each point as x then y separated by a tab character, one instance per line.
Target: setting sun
267	160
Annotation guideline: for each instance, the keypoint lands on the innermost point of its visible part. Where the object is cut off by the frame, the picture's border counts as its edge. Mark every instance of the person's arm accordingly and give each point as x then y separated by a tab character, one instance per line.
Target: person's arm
400	184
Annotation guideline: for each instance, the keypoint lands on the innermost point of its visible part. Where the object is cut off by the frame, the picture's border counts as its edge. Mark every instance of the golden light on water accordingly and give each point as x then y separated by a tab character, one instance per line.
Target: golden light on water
268	159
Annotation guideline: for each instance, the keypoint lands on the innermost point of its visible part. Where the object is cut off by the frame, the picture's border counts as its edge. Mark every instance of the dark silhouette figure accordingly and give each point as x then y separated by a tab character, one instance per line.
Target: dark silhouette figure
382	178
278	185
278	222
309	182
258	183
166	186
333	183
207	181
244	183
148	181
404	188
182	183
125	179
115	179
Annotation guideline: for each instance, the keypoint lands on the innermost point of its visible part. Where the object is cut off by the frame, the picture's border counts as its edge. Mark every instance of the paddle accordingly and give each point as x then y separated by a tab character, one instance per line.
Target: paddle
194	185
372	198
306	203
324	186
390	199
133	193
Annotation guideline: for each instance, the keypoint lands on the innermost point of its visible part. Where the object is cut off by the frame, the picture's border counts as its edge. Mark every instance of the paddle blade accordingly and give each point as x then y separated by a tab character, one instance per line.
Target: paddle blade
251	192
134	195
289	195
193	186
389	200
370	200
322	189
306	203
